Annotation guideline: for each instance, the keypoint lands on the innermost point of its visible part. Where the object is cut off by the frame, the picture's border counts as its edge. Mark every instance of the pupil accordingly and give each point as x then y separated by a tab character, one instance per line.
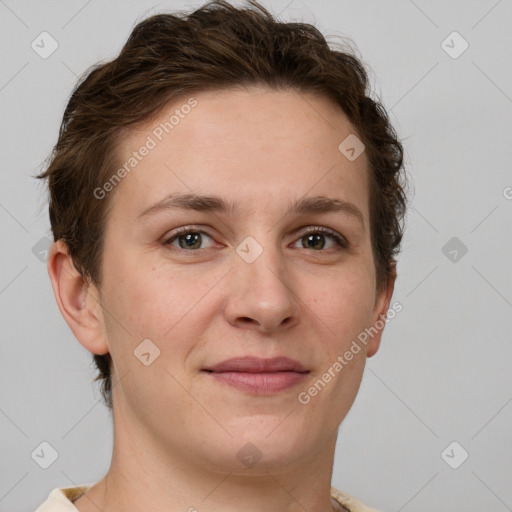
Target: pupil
190	240
315	239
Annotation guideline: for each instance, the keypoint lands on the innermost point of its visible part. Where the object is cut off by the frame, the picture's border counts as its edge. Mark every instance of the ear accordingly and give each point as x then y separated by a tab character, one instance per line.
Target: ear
382	302
78	300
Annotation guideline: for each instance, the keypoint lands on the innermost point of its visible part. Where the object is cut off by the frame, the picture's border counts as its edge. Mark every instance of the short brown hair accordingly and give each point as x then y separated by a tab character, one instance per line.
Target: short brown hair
216	46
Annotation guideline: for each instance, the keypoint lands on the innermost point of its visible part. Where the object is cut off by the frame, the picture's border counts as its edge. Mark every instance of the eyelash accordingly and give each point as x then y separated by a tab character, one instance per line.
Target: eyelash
310	230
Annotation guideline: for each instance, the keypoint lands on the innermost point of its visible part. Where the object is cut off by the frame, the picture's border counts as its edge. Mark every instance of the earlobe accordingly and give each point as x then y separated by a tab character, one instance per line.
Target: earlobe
77	300
380	313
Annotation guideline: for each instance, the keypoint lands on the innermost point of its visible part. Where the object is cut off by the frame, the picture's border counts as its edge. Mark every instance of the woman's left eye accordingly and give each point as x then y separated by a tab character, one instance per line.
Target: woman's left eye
314	238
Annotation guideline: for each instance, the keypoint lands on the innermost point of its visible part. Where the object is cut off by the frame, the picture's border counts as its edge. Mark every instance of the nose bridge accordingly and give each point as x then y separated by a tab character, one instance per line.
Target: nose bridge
263	294
261	265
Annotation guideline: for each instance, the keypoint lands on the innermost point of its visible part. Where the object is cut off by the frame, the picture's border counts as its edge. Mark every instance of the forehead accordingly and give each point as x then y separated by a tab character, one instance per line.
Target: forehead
254	145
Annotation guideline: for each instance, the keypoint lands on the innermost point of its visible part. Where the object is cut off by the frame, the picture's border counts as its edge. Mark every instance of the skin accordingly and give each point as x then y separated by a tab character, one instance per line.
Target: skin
177	430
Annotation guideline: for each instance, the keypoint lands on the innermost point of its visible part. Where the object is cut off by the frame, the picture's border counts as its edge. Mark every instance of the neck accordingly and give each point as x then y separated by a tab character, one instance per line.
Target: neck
146	475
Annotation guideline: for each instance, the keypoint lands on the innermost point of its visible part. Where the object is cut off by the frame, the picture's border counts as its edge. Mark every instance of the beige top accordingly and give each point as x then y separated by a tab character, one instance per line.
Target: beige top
60	500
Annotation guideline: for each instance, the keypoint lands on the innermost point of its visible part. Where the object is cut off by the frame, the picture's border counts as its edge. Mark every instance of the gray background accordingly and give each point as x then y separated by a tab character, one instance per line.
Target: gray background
443	373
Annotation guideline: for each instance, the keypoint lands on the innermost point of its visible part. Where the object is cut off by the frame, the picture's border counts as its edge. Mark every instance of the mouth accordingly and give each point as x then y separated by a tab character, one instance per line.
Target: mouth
257	375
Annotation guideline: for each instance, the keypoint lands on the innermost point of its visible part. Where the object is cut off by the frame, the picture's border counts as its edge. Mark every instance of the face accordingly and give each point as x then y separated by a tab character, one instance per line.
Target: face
247	298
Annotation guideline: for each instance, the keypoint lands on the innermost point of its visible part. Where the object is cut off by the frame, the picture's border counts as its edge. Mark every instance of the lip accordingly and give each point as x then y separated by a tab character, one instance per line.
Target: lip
258	375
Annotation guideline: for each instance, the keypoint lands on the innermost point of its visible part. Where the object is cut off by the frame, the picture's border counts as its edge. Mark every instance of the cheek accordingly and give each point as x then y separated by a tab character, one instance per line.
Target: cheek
342	314
146	300
342	304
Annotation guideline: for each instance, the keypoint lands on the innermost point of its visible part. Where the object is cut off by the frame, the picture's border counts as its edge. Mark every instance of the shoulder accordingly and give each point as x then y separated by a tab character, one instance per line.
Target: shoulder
61	498
349	502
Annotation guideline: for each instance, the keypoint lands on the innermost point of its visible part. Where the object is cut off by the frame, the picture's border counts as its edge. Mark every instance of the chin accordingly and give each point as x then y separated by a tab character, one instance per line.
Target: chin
263	443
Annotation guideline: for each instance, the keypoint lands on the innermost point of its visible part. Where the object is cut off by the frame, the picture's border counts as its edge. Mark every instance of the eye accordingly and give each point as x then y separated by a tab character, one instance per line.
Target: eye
192	239
188	239
315	237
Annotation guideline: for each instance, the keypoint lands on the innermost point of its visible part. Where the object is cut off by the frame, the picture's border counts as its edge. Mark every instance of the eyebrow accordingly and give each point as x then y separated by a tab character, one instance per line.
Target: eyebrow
216	204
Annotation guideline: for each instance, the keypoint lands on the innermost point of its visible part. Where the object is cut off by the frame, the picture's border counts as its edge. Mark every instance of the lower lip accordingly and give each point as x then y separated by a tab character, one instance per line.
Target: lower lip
260	383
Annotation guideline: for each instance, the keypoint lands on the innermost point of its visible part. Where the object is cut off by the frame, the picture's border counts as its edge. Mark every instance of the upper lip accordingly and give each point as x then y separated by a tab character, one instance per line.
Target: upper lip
250	364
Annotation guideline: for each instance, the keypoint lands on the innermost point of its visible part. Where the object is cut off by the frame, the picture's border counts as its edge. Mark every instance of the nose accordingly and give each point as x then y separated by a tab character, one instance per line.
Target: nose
261	296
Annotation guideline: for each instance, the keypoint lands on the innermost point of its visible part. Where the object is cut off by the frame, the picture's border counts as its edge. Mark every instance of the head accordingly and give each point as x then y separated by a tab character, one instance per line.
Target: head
251	114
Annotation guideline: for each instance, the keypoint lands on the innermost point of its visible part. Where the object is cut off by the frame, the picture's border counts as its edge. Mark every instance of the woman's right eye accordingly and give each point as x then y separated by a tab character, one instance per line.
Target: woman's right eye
188	239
